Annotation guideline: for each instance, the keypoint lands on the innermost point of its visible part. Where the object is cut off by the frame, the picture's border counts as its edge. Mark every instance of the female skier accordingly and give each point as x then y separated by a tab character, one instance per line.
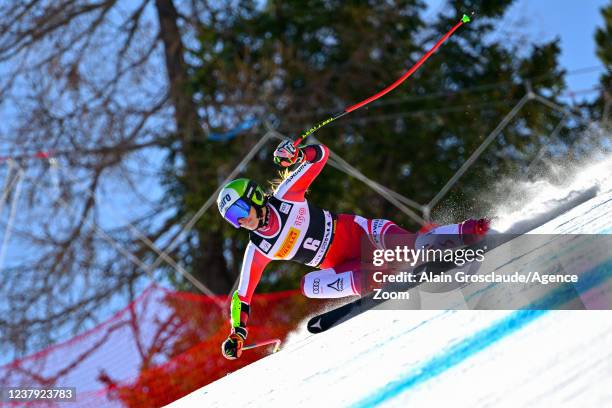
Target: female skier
285	226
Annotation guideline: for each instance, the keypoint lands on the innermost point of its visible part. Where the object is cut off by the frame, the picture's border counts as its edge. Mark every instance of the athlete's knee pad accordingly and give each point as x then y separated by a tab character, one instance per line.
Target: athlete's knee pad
329	284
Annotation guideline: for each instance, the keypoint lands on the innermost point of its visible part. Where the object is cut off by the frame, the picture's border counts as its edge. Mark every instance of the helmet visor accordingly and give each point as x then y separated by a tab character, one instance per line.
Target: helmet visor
240	209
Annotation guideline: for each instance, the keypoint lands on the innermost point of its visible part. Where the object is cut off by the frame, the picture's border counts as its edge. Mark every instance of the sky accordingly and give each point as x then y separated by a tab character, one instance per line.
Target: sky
573	21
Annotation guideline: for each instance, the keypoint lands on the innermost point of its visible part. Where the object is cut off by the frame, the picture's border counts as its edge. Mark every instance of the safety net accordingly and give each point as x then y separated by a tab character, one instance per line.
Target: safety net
161	347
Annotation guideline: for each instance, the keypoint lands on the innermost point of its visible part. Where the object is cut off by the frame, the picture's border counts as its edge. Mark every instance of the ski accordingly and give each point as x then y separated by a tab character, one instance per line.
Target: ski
334	317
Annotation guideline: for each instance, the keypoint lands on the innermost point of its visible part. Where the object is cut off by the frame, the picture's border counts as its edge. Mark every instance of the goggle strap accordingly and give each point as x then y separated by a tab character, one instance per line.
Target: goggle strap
251	191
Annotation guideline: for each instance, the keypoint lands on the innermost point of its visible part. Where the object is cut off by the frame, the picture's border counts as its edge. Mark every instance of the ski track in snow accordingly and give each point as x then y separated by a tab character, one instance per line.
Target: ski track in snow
466	358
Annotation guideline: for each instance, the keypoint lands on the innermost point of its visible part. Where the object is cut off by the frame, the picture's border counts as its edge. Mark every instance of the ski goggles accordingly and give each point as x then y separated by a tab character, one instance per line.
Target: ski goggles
240	209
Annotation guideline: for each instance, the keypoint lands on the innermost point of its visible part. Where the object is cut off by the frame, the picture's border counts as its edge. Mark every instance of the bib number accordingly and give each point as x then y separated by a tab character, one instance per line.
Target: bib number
311	244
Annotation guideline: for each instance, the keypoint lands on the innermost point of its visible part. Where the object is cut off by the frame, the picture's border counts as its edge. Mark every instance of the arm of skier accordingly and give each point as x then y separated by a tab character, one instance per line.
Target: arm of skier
253	265
312	159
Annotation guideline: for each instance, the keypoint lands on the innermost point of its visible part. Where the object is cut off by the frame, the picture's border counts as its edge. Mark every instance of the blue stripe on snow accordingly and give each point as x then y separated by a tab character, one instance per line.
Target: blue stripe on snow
487	337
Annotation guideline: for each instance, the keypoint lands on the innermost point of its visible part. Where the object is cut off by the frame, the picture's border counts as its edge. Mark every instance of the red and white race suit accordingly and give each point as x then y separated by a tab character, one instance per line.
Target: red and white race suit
299	231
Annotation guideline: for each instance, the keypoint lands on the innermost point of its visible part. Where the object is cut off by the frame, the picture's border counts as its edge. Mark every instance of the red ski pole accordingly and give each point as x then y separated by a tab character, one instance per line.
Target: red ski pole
276	343
464	19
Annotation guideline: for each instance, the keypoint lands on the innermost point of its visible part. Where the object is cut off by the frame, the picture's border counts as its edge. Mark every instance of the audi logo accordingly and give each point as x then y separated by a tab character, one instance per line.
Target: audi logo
315	286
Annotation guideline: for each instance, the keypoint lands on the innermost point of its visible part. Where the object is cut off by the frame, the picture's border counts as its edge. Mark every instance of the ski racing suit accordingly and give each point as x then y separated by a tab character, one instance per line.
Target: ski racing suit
298	231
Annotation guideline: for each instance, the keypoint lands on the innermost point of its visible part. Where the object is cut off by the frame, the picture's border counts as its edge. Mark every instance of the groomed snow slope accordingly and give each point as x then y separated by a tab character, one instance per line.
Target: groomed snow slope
436	358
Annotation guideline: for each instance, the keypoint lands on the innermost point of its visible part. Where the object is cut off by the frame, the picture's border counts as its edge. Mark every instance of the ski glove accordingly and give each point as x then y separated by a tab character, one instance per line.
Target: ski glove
232	346
287	154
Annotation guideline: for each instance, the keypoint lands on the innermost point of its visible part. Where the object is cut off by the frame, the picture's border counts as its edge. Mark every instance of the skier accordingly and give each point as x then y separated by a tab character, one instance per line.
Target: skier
285	226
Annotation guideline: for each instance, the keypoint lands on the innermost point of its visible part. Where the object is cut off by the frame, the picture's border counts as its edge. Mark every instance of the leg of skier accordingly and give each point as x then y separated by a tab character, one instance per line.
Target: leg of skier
357	237
332	283
453	235
344	265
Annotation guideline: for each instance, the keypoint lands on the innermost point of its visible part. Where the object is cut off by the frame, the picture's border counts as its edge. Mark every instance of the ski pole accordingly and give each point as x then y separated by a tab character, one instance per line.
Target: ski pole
276	343
465	19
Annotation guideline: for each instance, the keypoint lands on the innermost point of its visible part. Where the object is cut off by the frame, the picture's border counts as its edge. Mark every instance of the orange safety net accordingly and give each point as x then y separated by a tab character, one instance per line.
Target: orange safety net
161	347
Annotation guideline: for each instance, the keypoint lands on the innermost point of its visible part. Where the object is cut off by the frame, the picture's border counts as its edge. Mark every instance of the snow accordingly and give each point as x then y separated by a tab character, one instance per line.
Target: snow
457	357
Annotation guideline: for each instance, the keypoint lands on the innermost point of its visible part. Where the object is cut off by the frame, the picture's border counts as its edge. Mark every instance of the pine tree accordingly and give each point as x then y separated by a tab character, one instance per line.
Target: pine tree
603	39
